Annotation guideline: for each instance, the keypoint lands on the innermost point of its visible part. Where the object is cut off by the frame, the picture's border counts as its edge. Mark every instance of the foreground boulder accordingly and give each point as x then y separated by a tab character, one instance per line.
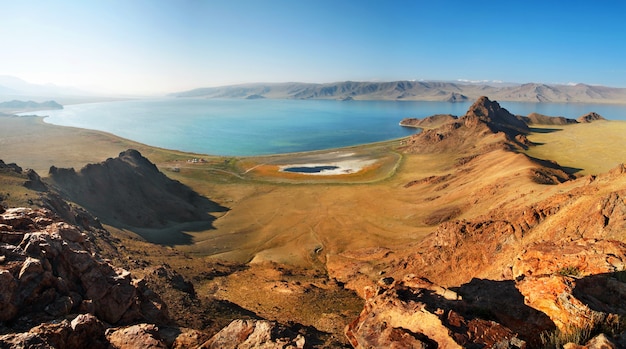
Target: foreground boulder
255	334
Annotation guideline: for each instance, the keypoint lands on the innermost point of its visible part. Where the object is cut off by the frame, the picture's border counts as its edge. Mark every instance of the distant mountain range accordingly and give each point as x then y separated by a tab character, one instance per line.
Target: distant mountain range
14	87
416	91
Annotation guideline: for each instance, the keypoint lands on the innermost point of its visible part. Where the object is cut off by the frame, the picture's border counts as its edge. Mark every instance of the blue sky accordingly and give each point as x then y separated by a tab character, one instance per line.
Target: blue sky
157	46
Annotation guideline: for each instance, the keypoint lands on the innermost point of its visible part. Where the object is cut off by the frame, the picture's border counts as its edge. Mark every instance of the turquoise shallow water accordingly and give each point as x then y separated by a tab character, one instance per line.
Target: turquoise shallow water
265	126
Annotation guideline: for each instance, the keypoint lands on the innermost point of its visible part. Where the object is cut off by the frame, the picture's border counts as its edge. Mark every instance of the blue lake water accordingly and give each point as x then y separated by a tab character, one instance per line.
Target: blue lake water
265	126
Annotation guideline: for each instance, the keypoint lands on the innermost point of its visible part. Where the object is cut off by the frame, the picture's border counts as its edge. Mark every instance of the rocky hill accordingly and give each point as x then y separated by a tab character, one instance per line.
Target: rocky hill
415	90
129	191
533	277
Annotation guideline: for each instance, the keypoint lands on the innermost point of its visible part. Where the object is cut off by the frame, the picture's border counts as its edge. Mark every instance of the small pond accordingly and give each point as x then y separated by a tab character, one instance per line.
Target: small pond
310	169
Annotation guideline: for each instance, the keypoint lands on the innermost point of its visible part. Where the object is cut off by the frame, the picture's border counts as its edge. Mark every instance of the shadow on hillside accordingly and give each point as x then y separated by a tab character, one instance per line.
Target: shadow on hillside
160	210
603	292
502	302
544	130
555	166
172	230
129	192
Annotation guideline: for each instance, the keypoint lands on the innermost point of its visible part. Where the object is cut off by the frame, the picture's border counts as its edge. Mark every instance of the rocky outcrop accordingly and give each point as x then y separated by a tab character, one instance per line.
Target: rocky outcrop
540	119
497	118
136	337
569	280
414	313
561	288
590	117
83	331
50	270
432	121
485	126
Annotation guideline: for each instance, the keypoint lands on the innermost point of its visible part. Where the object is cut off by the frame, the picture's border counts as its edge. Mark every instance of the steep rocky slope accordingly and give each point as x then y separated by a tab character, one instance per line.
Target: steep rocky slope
50	271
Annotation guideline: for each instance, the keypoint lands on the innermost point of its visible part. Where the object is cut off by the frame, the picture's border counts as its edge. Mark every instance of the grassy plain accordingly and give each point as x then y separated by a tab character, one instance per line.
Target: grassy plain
593	148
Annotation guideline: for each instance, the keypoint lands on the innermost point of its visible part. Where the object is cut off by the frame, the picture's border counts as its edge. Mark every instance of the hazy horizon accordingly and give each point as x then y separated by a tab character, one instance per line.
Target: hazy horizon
156	47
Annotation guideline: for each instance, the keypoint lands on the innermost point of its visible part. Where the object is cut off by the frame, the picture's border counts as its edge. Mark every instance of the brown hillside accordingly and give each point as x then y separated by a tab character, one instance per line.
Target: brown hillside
540	119
432	121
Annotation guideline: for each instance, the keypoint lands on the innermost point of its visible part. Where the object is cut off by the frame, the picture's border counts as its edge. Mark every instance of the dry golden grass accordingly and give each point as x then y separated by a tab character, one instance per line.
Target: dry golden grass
593	148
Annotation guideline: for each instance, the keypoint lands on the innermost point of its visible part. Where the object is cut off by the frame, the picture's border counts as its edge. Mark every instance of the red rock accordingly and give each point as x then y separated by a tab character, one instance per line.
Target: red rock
417	313
254	334
558	279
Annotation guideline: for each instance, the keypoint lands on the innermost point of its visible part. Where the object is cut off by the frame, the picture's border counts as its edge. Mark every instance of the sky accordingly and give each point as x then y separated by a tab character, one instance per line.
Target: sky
158	46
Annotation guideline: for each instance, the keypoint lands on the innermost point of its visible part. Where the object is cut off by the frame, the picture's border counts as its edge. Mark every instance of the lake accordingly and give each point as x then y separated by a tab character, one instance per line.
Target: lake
236	127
